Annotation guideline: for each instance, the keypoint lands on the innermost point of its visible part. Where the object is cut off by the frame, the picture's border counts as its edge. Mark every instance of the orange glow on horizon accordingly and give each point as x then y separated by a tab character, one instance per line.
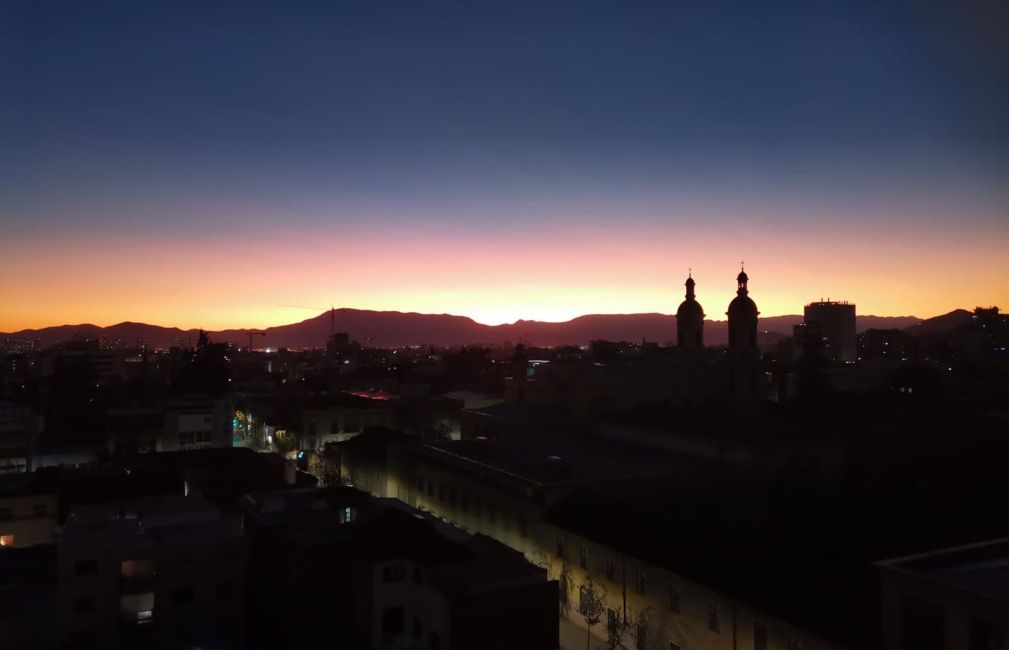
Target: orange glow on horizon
221	282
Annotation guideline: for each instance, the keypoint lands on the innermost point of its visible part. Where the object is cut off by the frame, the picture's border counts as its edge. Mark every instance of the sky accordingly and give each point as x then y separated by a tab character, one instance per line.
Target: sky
215	164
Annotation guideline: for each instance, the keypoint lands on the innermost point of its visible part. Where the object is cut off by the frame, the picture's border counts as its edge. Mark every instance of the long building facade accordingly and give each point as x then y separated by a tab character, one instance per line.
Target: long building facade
653	606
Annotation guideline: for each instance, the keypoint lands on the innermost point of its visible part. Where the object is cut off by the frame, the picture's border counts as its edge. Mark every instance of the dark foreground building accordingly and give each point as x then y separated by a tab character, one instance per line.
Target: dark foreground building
947	599
336	568
164	572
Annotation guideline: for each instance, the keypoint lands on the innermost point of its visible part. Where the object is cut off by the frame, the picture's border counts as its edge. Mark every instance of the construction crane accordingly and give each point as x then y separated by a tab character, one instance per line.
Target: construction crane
252	333
332	315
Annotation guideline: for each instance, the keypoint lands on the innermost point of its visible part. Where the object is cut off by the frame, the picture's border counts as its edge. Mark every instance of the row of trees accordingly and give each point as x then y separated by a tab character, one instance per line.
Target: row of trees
592	606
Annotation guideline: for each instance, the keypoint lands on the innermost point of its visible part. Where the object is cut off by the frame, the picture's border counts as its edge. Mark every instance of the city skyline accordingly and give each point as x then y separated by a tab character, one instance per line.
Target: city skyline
717	299
576	160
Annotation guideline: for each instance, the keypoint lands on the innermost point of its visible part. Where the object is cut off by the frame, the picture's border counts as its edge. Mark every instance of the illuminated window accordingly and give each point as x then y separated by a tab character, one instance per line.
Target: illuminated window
346	515
137	568
137	608
6	540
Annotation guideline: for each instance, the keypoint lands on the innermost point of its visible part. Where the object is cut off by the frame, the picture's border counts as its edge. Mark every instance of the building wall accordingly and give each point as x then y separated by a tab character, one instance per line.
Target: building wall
952	611
27	520
518	507
197	426
18	428
194	588
835	321
339	424
498	509
698	617
401	584
134	431
516	616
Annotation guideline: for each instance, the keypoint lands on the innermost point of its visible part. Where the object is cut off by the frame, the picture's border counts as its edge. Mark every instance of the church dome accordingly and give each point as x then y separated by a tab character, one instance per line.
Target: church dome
742	307
690	308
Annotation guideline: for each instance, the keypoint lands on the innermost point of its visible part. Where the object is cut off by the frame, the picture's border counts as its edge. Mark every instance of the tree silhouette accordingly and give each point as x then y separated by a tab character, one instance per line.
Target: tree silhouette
615	633
591	603
206	370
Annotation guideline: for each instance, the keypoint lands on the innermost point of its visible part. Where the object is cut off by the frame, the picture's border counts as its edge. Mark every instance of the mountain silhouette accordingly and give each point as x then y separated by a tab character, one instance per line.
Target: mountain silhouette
944	323
393	328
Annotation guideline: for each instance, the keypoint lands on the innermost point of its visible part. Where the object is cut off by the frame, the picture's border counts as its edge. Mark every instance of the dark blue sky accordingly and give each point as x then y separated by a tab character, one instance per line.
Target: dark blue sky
154	117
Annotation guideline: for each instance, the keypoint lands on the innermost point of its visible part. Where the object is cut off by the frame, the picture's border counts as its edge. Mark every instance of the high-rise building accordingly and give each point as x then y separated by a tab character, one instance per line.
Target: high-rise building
835	324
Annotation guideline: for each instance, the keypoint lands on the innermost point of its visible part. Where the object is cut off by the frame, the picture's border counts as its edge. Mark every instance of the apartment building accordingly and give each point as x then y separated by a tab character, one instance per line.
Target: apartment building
28	512
151	572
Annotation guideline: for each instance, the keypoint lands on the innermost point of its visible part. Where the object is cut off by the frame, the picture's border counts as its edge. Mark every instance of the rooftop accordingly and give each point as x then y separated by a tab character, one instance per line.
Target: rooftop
980	569
25	483
465	395
362	399
563	459
388	529
168	519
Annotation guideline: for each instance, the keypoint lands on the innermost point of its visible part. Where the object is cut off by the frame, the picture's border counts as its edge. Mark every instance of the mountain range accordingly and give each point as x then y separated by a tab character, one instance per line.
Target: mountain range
393	328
